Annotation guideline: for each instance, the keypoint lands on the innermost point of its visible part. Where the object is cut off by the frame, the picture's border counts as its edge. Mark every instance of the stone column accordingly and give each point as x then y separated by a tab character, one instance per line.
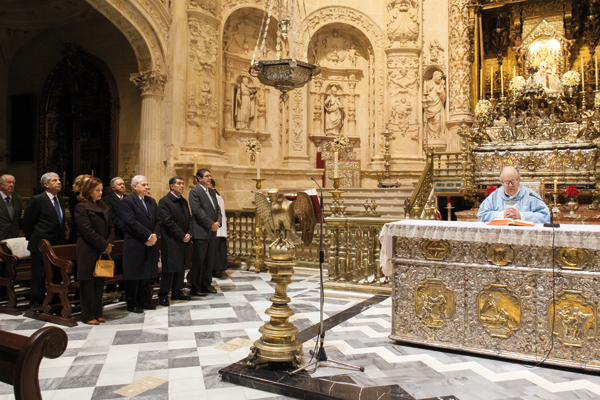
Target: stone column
459	82
152	85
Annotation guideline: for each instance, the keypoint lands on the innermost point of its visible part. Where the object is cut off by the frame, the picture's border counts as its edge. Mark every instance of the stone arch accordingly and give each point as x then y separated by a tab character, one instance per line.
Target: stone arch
374	34
146	28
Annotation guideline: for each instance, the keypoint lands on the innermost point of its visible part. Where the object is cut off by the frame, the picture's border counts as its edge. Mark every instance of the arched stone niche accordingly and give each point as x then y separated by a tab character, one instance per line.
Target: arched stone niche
347	65
240	90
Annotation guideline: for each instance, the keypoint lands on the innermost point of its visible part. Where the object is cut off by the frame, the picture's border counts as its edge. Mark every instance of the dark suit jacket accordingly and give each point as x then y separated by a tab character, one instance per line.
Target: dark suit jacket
203	212
139	261
95	232
113	203
176	222
9	227
40	221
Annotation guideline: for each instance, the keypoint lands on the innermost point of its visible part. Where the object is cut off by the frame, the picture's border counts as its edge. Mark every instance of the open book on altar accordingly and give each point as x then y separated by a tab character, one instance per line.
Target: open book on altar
510	221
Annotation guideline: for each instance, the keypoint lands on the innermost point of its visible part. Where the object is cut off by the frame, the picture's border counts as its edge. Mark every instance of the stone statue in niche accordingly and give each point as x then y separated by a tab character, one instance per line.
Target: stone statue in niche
205	94
244	104
435	88
403	25
352	56
334	113
435	51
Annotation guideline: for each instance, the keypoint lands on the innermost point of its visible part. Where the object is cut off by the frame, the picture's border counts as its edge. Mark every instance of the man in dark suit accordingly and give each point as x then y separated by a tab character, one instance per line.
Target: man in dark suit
44	218
175	243
207	220
113	201
141	219
10	208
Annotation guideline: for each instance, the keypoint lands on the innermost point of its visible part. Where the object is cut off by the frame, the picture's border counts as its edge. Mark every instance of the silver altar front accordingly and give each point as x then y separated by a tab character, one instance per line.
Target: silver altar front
490	290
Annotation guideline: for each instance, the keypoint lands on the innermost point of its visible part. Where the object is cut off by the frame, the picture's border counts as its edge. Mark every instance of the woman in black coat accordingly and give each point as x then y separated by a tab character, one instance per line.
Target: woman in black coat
73	201
96	234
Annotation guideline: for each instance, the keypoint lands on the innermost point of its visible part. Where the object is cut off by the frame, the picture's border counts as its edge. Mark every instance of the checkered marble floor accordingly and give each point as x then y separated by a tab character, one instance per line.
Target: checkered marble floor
176	352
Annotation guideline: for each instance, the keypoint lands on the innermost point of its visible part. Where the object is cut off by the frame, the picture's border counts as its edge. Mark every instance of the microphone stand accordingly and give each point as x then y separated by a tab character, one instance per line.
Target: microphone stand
320	355
551	224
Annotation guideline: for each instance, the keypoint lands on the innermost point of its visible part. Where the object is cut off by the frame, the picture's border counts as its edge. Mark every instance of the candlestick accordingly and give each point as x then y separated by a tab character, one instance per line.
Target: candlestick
514	72
258	165
64	181
555	184
501	82
92	173
195	164
335	165
596	69
582	75
492	82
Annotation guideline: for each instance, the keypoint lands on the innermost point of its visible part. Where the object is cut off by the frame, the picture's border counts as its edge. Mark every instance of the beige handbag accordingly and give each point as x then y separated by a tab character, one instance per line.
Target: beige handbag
104	268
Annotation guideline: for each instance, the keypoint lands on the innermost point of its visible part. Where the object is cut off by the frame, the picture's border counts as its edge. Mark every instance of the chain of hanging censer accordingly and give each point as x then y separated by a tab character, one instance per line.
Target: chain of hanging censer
287	74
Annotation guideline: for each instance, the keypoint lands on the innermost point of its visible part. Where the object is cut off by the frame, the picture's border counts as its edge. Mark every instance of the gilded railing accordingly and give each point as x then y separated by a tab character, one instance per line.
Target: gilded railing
415	204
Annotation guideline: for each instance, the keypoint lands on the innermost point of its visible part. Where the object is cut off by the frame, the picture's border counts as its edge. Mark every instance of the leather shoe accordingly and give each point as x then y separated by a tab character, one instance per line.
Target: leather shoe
164	301
93	322
136	310
197	294
100	319
211	289
148	306
180	297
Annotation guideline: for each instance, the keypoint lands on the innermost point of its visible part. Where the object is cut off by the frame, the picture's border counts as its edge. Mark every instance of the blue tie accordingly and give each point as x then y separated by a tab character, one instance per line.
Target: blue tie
57	208
7	200
144	203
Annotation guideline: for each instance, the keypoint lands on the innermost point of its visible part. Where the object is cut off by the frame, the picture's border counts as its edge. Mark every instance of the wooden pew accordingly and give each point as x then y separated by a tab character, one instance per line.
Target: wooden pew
20	358
18	271
61	260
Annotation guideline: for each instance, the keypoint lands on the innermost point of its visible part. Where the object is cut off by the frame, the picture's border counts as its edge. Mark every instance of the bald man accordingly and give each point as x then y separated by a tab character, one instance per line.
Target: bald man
513	201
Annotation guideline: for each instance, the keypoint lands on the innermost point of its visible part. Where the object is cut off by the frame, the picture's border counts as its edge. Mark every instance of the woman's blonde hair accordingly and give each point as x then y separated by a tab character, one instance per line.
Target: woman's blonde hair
79	182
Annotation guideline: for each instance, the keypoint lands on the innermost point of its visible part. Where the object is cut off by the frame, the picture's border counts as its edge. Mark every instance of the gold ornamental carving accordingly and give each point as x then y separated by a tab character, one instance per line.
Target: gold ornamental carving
572	258
499	310
434	303
573	318
499	254
435	250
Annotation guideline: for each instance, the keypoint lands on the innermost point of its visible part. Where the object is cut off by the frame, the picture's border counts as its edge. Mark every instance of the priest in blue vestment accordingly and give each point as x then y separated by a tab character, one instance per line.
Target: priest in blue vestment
512	200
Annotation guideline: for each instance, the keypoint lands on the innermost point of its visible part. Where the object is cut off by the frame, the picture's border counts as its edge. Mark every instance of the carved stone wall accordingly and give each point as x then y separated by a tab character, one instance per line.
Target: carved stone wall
460	66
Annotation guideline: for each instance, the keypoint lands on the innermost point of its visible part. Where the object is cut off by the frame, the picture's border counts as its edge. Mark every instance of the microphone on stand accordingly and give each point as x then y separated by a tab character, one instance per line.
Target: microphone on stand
321	252
551	224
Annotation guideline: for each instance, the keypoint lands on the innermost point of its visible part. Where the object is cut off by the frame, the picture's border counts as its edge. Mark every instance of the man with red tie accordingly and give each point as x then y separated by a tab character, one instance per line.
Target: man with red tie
44	218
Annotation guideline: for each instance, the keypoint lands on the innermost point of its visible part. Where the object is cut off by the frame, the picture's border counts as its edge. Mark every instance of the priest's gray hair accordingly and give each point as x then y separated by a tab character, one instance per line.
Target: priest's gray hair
137	179
113	181
47	176
4	177
509	167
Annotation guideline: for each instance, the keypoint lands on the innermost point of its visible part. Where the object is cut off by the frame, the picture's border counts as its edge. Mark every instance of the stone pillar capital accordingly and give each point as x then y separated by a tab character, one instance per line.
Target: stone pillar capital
151	83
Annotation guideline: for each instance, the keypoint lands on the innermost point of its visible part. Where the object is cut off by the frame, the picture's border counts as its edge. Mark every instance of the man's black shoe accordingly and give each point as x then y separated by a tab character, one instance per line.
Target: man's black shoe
211	289
180	297
197	294
164	301
136	310
148	306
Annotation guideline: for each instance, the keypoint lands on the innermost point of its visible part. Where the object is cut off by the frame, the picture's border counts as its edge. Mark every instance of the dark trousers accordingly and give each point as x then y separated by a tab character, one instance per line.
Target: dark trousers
221	263
171	282
203	260
118	271
91	298
137	292
38	280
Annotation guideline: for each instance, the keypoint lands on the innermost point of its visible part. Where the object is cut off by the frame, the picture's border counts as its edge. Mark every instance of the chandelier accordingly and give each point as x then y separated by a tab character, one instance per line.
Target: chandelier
282	74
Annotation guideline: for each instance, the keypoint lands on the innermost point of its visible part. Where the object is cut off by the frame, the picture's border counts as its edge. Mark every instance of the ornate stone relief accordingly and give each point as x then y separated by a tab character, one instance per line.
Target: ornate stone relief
460	66
435	53
200	104
403	83
208	6
297	120
402	22
336	51
151	83
203	47
239	37
229	4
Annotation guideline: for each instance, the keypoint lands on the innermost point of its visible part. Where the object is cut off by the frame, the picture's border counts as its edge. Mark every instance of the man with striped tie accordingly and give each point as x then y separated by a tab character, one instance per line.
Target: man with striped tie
44	218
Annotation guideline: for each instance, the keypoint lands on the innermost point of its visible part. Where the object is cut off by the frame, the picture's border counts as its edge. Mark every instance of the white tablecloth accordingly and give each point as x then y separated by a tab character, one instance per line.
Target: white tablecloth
579	236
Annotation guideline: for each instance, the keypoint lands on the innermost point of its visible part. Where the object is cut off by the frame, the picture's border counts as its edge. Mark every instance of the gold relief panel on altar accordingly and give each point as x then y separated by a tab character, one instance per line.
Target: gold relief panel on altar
434	302
572	258
499	310
499	254
434	250
573	318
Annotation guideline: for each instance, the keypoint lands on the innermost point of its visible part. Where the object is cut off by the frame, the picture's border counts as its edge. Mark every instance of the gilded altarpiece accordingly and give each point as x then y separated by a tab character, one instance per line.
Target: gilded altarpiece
499	285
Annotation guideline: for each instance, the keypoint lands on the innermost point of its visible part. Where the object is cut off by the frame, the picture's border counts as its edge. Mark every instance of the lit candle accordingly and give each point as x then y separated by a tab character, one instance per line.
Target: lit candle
514	72
555	184
582	75
195	163
596	69
501	82
448	199
92	173
492	82
480	84
258	165
335	164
